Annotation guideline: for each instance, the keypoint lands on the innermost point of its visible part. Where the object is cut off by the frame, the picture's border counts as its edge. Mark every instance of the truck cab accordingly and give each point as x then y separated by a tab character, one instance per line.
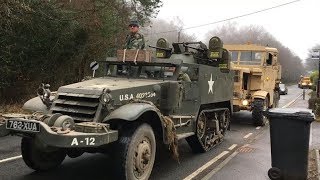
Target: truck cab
257	78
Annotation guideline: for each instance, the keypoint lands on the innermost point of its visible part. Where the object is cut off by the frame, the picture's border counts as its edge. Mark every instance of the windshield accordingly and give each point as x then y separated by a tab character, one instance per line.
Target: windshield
234	55
282	86
250	57
153	72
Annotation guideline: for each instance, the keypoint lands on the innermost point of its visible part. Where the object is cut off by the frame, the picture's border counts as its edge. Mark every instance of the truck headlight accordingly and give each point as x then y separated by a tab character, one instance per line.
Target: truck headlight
245	102
106	97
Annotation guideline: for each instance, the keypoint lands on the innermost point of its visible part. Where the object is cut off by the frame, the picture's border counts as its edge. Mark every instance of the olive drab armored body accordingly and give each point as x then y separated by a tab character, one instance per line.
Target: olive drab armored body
257	78
185	92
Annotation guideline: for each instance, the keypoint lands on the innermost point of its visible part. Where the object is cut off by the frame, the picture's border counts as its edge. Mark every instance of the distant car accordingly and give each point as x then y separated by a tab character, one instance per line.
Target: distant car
283	89
305	82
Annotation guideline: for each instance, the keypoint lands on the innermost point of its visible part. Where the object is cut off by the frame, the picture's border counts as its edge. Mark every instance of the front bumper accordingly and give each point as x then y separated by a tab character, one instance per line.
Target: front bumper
54	137
305	86
238	105
282	92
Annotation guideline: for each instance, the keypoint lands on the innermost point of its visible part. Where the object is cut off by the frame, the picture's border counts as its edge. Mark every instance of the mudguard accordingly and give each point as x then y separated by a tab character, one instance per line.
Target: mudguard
260	94
131	112
36	105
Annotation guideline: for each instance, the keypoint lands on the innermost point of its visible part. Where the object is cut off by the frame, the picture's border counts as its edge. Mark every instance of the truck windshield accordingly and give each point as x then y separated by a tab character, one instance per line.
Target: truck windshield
234	55
138	71
250	57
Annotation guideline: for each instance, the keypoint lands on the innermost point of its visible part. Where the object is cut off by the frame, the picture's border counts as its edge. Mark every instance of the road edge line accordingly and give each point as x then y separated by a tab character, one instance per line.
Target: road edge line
291	102
205	166
220	166
232	147
10	159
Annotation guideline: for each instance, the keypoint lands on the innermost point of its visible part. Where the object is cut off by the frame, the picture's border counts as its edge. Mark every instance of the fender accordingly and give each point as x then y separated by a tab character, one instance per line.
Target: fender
35	105
131	112
260	94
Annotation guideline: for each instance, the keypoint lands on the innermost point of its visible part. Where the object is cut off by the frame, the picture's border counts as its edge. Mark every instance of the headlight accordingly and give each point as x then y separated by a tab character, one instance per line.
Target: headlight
304	83
310	84
245	102
105	97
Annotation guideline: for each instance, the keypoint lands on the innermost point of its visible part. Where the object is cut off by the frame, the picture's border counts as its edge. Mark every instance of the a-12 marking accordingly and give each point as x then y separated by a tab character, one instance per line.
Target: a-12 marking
87	141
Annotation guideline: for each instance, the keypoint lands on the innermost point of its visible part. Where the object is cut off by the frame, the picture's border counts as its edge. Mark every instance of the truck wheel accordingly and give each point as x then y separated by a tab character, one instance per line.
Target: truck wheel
38	159
259	105
136	153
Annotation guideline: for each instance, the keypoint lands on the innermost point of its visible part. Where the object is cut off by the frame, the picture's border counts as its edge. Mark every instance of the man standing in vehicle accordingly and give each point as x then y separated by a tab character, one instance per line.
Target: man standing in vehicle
134	40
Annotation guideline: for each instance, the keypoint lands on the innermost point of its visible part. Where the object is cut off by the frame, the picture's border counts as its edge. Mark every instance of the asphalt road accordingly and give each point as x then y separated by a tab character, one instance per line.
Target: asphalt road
98	166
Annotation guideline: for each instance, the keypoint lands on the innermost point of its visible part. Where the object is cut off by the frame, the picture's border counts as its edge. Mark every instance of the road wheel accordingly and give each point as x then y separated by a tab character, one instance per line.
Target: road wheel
207	135
194	141
259	105
136	153
38	159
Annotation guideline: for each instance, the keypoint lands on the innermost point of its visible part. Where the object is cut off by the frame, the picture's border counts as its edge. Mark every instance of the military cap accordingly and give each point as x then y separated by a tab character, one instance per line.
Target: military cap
134	22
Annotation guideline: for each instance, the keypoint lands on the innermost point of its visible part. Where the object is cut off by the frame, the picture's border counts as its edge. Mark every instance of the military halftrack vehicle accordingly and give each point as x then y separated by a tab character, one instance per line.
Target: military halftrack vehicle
138	103
257	78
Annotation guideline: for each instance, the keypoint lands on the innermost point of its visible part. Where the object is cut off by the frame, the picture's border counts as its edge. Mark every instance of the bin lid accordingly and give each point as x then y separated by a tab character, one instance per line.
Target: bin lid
291	113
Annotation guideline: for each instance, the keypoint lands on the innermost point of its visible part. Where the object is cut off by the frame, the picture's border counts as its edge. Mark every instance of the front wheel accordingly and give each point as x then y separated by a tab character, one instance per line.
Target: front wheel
259	105
136	153
38	159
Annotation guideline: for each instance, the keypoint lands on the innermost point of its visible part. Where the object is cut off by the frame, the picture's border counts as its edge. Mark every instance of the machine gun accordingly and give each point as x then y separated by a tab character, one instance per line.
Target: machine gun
162	49
202	47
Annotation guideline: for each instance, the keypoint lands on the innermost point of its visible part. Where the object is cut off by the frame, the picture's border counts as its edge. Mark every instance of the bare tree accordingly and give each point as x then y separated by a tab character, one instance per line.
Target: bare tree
159	28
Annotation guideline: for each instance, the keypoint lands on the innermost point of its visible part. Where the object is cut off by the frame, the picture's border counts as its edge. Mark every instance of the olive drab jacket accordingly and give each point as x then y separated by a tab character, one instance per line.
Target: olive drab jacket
135	41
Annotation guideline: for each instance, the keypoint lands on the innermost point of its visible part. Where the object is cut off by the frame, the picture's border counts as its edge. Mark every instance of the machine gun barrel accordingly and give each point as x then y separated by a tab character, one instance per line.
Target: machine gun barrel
160	48
198	49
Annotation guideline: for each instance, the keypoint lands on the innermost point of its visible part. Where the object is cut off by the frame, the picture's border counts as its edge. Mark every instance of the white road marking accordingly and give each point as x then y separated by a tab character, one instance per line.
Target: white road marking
232	147
291	102
258	127
198	171
220	166
248	135
10	159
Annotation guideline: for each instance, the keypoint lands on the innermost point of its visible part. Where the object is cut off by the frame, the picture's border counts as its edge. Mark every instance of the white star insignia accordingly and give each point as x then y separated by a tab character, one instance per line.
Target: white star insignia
210	85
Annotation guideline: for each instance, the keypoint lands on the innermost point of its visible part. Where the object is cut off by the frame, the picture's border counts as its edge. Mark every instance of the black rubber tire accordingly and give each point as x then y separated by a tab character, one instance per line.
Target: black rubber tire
259	105
128	141
274	173
40	160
